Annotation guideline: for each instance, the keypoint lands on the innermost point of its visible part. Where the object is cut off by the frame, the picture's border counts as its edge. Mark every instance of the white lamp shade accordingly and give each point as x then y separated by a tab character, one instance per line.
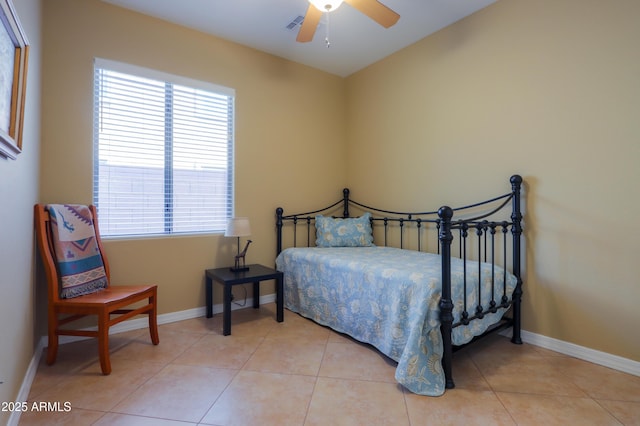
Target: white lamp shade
238	227
326	5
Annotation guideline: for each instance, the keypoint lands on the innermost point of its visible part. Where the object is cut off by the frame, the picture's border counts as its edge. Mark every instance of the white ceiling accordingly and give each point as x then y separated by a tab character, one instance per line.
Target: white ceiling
356	41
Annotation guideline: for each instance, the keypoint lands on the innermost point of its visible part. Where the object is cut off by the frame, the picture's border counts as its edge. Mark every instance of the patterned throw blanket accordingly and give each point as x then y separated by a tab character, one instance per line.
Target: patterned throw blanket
79	261
389	297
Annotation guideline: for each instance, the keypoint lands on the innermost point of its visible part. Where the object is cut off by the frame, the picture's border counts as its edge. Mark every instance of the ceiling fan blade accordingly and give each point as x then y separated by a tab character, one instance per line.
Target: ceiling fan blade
376	11
309	25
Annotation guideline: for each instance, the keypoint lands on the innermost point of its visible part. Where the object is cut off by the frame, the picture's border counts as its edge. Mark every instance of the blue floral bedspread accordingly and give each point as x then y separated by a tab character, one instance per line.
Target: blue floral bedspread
388	297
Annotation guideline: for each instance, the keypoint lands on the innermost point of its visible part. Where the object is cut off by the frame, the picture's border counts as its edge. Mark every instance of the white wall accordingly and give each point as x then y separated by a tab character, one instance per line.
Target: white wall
18	194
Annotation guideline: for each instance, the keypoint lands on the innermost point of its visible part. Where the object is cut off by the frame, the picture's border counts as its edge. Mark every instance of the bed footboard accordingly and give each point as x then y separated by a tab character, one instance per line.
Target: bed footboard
447	225
473	233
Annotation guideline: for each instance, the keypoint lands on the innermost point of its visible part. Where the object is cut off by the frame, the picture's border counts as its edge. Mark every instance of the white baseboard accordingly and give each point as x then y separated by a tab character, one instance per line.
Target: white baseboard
23	393
597	357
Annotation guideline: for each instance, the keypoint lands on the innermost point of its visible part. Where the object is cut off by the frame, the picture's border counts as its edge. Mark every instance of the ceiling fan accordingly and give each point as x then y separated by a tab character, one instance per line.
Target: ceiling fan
372	8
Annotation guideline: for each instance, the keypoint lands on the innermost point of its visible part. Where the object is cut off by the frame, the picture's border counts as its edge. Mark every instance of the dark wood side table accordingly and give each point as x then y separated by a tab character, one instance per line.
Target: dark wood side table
228	278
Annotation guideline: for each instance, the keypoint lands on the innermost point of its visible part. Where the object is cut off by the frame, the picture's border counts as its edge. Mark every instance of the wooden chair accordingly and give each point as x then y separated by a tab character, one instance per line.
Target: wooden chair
104	304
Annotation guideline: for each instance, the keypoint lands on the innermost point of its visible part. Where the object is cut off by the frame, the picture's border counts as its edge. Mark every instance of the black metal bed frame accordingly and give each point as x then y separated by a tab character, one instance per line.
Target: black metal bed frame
475	228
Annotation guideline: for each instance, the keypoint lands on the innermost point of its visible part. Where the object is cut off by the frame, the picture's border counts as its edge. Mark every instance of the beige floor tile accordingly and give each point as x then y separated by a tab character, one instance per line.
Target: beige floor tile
200	325
116	339
247	321
541	376
601	382
288	356
466	375
178	392
49	376
91	390
497	351
547	352
354	402
75	357
350	360
458	407
298	372
335	337
628	413
250	324
78	355
249	313
295	326
116	419
255	398
535	410
171	345
75	417
219	351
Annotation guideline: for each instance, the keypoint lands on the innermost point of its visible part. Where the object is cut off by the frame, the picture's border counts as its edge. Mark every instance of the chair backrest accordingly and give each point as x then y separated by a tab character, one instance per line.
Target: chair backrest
44	240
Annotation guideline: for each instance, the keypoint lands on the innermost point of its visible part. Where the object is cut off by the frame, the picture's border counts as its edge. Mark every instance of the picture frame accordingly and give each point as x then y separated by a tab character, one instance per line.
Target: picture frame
14	57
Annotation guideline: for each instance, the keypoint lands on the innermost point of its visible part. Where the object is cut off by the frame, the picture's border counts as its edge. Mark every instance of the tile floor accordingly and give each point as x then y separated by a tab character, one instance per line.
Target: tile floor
300	373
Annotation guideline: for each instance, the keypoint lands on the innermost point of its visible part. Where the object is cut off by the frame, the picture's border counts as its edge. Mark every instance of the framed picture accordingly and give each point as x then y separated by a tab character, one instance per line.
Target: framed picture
14	55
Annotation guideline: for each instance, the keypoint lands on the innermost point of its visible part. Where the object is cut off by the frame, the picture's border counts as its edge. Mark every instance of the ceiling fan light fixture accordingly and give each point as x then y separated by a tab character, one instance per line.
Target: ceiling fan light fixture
326	5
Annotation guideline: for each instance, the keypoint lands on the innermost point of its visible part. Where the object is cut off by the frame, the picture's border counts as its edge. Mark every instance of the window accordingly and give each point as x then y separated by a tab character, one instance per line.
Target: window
163	152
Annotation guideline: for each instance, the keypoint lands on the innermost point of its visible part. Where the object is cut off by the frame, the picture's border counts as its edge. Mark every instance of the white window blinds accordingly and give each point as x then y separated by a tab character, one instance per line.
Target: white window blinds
163	152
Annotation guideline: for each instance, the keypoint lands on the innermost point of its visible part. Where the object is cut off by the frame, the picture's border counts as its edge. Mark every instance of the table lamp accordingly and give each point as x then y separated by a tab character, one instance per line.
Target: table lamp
239	227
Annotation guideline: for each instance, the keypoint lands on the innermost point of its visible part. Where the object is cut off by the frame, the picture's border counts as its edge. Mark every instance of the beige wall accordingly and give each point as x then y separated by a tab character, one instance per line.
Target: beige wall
548	89
18	193
290	129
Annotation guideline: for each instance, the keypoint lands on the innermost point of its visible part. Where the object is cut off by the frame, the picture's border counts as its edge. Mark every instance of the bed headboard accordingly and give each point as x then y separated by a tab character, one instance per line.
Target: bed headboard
429	230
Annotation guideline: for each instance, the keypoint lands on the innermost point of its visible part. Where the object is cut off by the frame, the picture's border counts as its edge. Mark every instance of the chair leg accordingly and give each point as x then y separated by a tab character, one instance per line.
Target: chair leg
103	345
153	320
52	347
153	329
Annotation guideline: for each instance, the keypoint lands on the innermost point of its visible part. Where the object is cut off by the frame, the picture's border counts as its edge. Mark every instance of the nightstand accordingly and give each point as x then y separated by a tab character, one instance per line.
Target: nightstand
228	278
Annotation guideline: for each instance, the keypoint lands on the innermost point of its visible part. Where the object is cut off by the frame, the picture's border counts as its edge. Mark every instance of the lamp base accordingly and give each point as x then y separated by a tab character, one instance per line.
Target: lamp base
239	269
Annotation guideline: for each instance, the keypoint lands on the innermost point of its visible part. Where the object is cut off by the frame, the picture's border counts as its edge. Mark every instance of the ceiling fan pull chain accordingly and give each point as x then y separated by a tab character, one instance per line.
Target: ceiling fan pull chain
326	39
